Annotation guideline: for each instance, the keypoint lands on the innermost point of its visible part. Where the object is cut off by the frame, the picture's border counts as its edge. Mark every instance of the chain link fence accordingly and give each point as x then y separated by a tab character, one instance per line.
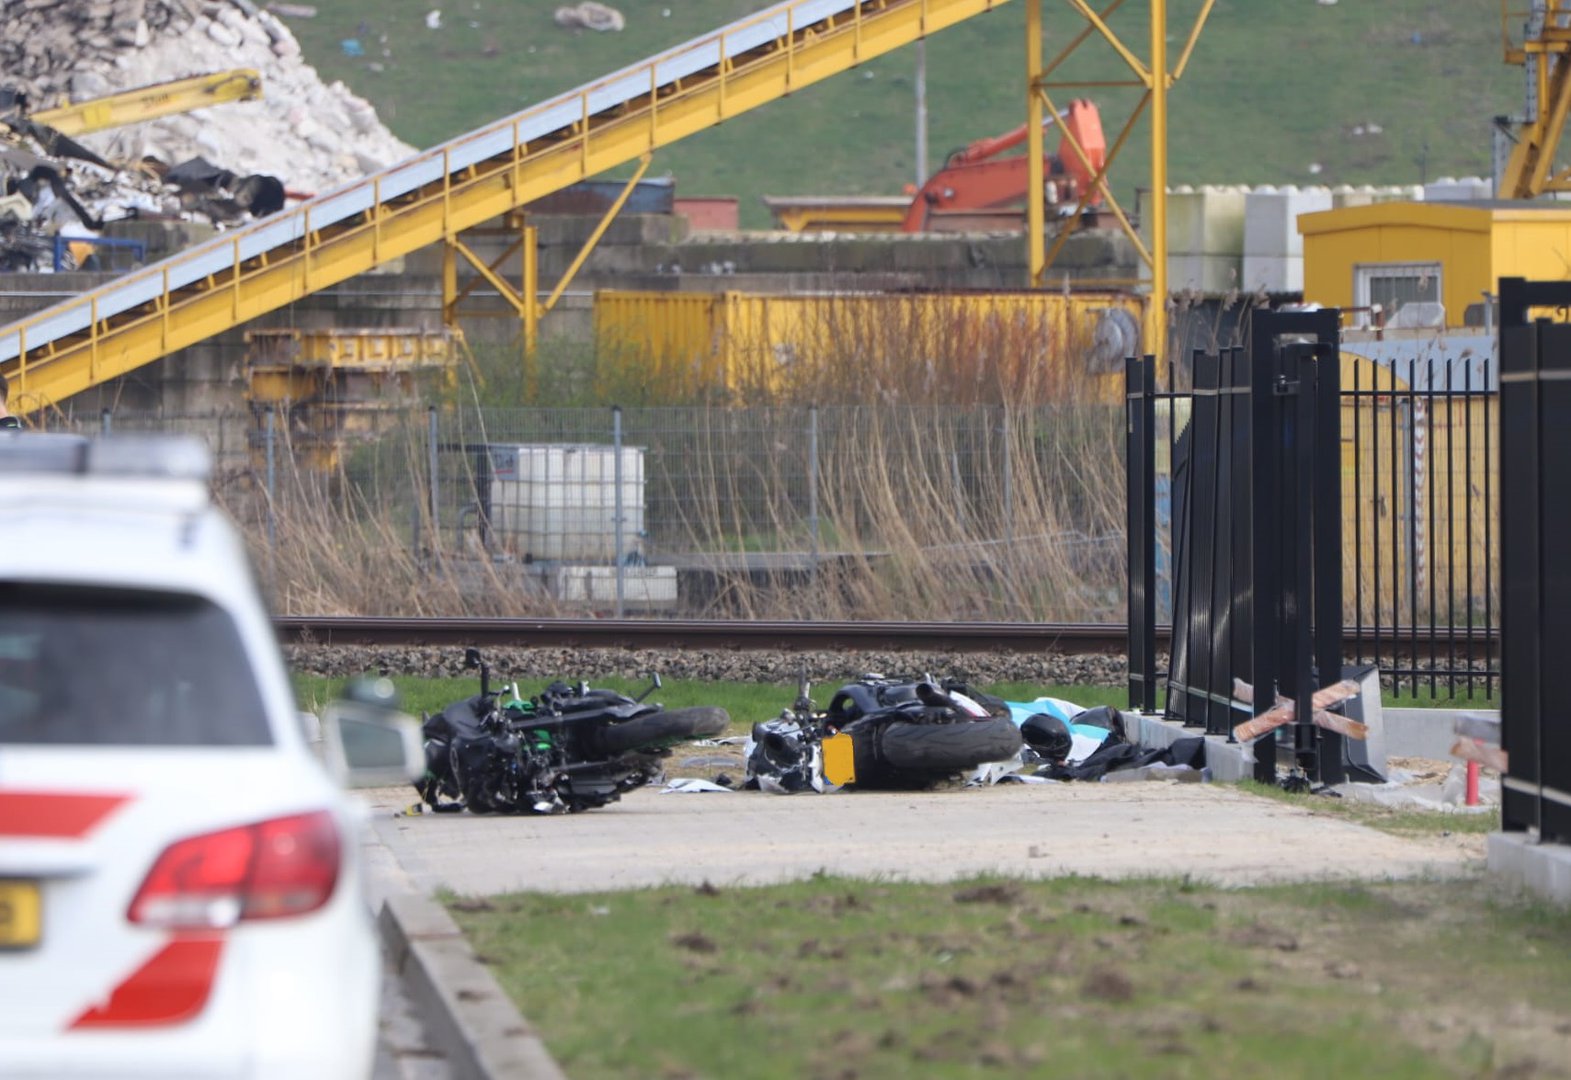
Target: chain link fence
854	512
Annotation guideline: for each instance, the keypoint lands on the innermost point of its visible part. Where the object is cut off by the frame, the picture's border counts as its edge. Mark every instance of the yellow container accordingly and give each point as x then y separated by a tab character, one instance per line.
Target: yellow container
943	347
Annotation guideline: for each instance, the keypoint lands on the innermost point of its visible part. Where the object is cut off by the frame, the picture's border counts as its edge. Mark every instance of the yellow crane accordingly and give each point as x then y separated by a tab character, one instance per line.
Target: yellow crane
1544	54
152	102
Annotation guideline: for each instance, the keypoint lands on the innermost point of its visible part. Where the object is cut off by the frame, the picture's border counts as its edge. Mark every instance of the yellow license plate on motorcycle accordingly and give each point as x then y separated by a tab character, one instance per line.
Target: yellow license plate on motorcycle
21	914
839	759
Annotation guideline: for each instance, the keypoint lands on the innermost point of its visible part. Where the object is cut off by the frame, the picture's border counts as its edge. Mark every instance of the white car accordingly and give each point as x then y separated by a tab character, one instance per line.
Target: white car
180	890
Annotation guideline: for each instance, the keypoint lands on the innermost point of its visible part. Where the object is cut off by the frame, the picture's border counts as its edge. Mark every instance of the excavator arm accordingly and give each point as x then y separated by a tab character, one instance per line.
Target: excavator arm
152	102
976	178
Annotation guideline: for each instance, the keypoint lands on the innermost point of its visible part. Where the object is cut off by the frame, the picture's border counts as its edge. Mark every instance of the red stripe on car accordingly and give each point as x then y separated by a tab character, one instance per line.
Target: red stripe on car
170	988
54	815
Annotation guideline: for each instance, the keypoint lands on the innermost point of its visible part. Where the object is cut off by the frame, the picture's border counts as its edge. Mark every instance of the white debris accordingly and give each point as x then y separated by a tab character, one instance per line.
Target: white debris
59	49
590	15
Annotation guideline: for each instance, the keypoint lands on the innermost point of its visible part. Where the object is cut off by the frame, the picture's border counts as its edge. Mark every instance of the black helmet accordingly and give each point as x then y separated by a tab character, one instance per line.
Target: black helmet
1048	736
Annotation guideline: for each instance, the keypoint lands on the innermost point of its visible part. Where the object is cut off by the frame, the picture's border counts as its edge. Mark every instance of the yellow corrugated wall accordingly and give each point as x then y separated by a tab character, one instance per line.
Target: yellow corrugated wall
921	346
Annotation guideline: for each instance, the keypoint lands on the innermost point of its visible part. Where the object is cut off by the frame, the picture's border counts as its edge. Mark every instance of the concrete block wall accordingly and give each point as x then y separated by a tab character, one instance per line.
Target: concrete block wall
1273	258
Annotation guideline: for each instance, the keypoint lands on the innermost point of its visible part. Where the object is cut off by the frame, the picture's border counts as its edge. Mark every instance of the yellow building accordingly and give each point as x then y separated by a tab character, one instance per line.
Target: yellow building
1437	260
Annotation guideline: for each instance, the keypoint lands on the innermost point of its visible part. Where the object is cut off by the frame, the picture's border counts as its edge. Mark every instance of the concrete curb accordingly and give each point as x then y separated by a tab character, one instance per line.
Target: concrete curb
466	1014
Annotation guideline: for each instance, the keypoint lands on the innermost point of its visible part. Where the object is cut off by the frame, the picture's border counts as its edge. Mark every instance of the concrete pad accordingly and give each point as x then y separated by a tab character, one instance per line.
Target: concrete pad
1541	868
1211	832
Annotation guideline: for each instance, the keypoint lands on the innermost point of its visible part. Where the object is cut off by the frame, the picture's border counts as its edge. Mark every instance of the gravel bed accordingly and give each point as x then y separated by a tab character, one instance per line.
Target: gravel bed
721	665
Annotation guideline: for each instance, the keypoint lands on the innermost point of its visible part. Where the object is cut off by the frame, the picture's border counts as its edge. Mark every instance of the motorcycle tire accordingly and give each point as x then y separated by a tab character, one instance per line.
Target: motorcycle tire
664	728
935	748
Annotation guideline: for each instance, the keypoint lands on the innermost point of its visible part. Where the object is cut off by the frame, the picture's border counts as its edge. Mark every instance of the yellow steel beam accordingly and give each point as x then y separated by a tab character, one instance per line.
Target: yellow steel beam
1075	42
152	102
531	278
1142	72
1036	191
1189	45
1099	182
1154	75
1156	310
594	238
519	302
327	254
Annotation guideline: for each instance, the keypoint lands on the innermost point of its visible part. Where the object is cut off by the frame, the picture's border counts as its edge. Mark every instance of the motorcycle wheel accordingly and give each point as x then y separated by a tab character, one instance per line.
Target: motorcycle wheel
948	747
664	727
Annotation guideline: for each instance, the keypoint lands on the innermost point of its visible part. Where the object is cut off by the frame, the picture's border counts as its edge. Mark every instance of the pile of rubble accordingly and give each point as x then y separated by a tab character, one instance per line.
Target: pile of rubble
234	161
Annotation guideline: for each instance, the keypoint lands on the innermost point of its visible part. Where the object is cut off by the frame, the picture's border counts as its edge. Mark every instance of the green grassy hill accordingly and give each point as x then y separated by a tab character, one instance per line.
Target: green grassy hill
1274	87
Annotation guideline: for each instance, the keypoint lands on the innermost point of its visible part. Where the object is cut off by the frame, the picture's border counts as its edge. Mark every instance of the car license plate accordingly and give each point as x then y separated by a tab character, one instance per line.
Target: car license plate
21	914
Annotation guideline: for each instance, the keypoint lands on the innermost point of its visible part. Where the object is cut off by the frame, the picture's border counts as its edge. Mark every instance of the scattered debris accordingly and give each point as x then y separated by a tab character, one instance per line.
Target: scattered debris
1285	711
247	156
692	786
589	15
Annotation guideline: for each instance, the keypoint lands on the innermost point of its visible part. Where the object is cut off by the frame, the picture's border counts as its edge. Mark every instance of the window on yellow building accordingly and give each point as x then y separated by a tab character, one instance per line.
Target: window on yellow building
1382	290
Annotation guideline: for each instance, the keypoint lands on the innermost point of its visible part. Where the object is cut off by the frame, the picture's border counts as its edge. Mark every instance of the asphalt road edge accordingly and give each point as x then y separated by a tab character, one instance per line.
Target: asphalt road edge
467	1015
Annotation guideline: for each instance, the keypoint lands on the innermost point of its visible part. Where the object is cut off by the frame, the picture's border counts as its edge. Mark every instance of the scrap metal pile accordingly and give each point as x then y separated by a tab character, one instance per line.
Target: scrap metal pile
222	165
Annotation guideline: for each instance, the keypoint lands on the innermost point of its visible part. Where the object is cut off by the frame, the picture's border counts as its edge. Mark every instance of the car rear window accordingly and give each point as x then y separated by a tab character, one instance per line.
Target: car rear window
82	666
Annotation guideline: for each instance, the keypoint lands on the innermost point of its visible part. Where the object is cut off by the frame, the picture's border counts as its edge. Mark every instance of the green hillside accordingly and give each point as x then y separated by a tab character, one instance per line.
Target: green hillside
1274	87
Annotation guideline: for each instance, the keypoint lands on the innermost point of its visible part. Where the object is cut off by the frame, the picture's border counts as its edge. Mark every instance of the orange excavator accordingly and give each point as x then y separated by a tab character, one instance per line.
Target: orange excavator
976	178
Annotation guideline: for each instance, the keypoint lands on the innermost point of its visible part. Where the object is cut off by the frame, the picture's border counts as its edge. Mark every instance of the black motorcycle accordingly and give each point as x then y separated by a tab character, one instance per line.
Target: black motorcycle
879	732
567	749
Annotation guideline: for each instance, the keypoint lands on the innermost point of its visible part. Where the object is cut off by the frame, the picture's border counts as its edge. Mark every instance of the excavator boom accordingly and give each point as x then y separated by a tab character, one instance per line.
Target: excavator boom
152	102
976	178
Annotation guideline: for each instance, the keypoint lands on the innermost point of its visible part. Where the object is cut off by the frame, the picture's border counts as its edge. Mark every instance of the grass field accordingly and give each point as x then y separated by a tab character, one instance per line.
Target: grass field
747	703
1272	89
1068	977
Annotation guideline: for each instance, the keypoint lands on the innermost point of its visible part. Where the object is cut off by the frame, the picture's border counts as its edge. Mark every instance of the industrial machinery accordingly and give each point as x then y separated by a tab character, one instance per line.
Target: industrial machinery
1527	169
977	178
152	102
977	187
435	197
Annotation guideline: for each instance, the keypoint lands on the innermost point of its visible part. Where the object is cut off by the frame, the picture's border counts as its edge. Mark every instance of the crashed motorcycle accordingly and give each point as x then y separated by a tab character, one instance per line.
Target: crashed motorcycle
569	748
883	733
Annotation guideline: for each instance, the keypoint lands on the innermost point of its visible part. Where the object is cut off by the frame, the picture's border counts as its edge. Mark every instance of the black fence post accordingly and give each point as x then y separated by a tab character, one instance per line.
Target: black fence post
1535	514
1328	511
1265	516
1140	521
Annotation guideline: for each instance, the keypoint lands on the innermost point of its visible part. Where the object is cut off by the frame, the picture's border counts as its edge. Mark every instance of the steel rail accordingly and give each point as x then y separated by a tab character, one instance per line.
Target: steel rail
718	634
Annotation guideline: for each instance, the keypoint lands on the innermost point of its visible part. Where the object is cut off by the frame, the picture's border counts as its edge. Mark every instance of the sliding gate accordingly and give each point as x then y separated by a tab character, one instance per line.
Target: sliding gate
1253	455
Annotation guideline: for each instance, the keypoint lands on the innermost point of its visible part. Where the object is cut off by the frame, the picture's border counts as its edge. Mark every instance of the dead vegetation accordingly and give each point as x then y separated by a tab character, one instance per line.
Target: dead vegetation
985	484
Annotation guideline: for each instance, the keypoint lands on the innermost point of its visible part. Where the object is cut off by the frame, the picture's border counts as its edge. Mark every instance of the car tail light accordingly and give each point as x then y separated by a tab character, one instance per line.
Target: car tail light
273	869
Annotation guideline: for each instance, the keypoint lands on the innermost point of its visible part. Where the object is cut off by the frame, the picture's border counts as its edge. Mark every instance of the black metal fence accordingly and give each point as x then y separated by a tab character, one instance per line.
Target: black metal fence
1420	526
1418	512
1535	521
1254	493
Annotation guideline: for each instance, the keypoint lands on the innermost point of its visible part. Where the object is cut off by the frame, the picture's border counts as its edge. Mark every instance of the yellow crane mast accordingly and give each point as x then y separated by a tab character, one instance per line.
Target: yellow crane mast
1544	54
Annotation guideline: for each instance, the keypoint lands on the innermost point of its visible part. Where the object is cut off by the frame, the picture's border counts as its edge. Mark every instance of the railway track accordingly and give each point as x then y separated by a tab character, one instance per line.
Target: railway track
702	634
1066	638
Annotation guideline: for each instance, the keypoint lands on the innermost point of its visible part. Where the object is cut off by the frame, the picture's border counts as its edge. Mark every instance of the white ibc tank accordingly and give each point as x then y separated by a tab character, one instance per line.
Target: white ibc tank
554	501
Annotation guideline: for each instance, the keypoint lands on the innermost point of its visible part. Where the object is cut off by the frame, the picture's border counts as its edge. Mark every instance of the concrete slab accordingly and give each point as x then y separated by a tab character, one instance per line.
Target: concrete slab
1544	869
1211	832
1228	762
1426	733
